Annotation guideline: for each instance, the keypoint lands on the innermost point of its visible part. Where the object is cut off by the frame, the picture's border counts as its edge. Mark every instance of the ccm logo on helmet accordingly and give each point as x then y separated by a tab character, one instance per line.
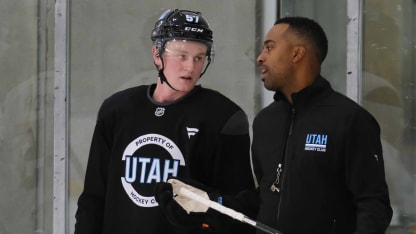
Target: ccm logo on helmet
191	29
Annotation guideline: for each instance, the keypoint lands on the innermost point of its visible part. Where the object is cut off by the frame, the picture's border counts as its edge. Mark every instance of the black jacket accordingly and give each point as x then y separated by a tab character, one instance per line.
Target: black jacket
332	177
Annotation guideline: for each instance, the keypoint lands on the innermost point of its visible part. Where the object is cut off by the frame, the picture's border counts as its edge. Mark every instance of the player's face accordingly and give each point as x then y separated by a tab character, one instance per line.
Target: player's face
275	60
183	63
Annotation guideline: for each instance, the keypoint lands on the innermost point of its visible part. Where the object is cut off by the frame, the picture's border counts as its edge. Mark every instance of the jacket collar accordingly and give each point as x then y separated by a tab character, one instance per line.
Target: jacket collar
317	89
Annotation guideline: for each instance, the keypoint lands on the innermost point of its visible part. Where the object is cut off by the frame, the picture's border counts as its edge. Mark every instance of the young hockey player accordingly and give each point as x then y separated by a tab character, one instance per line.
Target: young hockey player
173	128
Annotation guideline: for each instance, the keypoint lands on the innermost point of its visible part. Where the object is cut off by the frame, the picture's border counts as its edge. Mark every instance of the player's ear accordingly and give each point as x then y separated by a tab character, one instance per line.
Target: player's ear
298	53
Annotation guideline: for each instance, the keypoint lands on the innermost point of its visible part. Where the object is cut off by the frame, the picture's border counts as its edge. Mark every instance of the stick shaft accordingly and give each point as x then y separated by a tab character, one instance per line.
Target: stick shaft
227	211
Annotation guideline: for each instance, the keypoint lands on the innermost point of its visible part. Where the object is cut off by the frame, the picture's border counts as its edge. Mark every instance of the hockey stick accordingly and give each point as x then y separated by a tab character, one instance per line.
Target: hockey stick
227	211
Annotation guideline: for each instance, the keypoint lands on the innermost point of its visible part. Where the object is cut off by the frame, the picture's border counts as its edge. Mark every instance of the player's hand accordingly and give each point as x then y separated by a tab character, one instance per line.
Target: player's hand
184	213
188	204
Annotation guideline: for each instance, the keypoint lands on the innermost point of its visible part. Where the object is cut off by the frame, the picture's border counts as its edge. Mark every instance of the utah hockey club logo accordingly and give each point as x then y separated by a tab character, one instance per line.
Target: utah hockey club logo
142	170
316	142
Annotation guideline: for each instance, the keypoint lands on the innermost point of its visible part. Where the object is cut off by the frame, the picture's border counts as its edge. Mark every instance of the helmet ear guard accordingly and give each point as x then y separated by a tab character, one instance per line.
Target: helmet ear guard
159	47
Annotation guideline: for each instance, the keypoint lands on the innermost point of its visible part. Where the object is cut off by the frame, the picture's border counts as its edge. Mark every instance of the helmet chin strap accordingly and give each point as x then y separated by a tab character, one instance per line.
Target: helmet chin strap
162	75
209	62
163	79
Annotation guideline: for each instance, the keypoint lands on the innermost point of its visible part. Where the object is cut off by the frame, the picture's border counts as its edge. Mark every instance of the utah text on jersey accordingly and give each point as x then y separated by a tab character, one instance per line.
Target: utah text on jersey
149	159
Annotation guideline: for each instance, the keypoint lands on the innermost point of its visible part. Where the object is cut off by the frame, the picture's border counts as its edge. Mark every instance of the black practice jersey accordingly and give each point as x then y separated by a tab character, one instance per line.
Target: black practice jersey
138	142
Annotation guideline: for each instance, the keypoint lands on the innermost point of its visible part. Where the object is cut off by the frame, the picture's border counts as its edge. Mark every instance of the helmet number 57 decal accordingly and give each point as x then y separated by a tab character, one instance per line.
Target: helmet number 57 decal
192	18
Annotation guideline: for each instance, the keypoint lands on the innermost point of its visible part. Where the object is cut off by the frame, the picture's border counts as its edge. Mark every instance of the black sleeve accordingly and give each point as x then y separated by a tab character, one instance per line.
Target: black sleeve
234	172
365	175
235	177
89	215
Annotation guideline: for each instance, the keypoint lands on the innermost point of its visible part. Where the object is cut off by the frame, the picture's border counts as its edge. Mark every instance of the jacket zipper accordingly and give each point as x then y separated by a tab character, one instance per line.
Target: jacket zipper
280	171
276	184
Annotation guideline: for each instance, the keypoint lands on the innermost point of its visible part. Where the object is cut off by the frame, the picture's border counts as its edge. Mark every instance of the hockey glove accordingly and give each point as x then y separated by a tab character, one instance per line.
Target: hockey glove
180	211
